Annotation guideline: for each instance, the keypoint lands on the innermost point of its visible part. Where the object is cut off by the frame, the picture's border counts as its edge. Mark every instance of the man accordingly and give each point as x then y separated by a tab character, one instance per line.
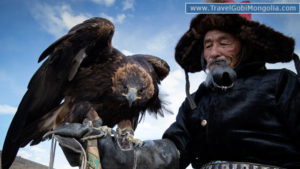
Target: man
242	116
257	119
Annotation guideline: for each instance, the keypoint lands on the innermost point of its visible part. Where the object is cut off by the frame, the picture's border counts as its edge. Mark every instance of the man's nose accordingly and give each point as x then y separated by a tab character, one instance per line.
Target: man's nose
215	52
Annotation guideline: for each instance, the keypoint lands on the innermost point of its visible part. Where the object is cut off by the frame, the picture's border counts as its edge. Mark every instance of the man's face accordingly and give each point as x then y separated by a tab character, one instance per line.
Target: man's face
219	45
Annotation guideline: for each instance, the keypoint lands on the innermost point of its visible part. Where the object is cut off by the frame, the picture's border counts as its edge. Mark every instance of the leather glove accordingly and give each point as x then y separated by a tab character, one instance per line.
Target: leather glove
152	154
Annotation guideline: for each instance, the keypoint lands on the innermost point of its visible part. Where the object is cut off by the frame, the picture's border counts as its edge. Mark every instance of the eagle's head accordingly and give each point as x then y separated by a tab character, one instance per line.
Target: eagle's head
132	83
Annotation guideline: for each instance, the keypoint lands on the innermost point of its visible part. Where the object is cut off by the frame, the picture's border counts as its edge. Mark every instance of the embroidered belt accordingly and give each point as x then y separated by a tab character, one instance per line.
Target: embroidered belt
236	165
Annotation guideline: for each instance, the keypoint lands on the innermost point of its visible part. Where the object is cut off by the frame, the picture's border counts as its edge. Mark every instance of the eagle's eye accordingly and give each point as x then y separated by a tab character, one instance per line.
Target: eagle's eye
125	89
139	92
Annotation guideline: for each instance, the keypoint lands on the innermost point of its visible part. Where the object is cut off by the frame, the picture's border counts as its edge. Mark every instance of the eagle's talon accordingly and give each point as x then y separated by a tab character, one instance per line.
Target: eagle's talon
135	141
138	143
126	138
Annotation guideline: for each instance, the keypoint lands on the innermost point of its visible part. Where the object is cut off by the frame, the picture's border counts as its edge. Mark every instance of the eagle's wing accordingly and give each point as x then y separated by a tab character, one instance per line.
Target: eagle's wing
158	68
83	45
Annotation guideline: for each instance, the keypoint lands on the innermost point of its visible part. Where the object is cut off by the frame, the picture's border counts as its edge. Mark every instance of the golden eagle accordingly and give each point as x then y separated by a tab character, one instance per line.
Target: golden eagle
83	72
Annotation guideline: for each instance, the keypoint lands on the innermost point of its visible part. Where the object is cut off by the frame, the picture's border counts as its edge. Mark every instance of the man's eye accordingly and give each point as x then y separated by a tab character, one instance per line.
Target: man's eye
207	46
224	43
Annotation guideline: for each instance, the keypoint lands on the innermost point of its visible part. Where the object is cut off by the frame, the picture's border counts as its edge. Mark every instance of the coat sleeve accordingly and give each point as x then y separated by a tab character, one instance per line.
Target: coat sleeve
288	101
179	133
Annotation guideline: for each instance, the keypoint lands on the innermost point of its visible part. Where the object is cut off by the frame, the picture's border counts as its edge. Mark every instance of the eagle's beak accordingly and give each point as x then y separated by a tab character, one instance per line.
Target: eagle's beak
131	96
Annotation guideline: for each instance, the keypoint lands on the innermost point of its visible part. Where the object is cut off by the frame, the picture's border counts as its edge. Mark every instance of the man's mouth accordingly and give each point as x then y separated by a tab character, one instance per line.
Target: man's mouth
221	74
216	62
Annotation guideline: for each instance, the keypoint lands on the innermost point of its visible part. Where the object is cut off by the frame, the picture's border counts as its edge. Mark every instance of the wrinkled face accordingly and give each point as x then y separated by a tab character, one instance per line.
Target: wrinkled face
219	45
132	83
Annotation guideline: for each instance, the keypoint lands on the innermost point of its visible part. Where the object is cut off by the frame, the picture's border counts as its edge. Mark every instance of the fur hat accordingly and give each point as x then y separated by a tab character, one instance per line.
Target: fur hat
260	41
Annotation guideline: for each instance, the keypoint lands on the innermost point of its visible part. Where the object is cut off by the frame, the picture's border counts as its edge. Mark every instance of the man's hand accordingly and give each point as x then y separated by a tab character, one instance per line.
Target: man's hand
153	154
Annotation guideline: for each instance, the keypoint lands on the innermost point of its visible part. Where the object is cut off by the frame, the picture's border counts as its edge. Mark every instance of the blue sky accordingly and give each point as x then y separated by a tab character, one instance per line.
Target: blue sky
142	26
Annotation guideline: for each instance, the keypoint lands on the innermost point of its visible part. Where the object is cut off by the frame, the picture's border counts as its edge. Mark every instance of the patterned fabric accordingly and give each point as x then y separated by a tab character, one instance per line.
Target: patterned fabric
236	165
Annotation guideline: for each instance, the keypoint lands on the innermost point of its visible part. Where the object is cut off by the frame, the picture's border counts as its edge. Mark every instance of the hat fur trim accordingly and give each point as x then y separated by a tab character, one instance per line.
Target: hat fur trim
262	42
